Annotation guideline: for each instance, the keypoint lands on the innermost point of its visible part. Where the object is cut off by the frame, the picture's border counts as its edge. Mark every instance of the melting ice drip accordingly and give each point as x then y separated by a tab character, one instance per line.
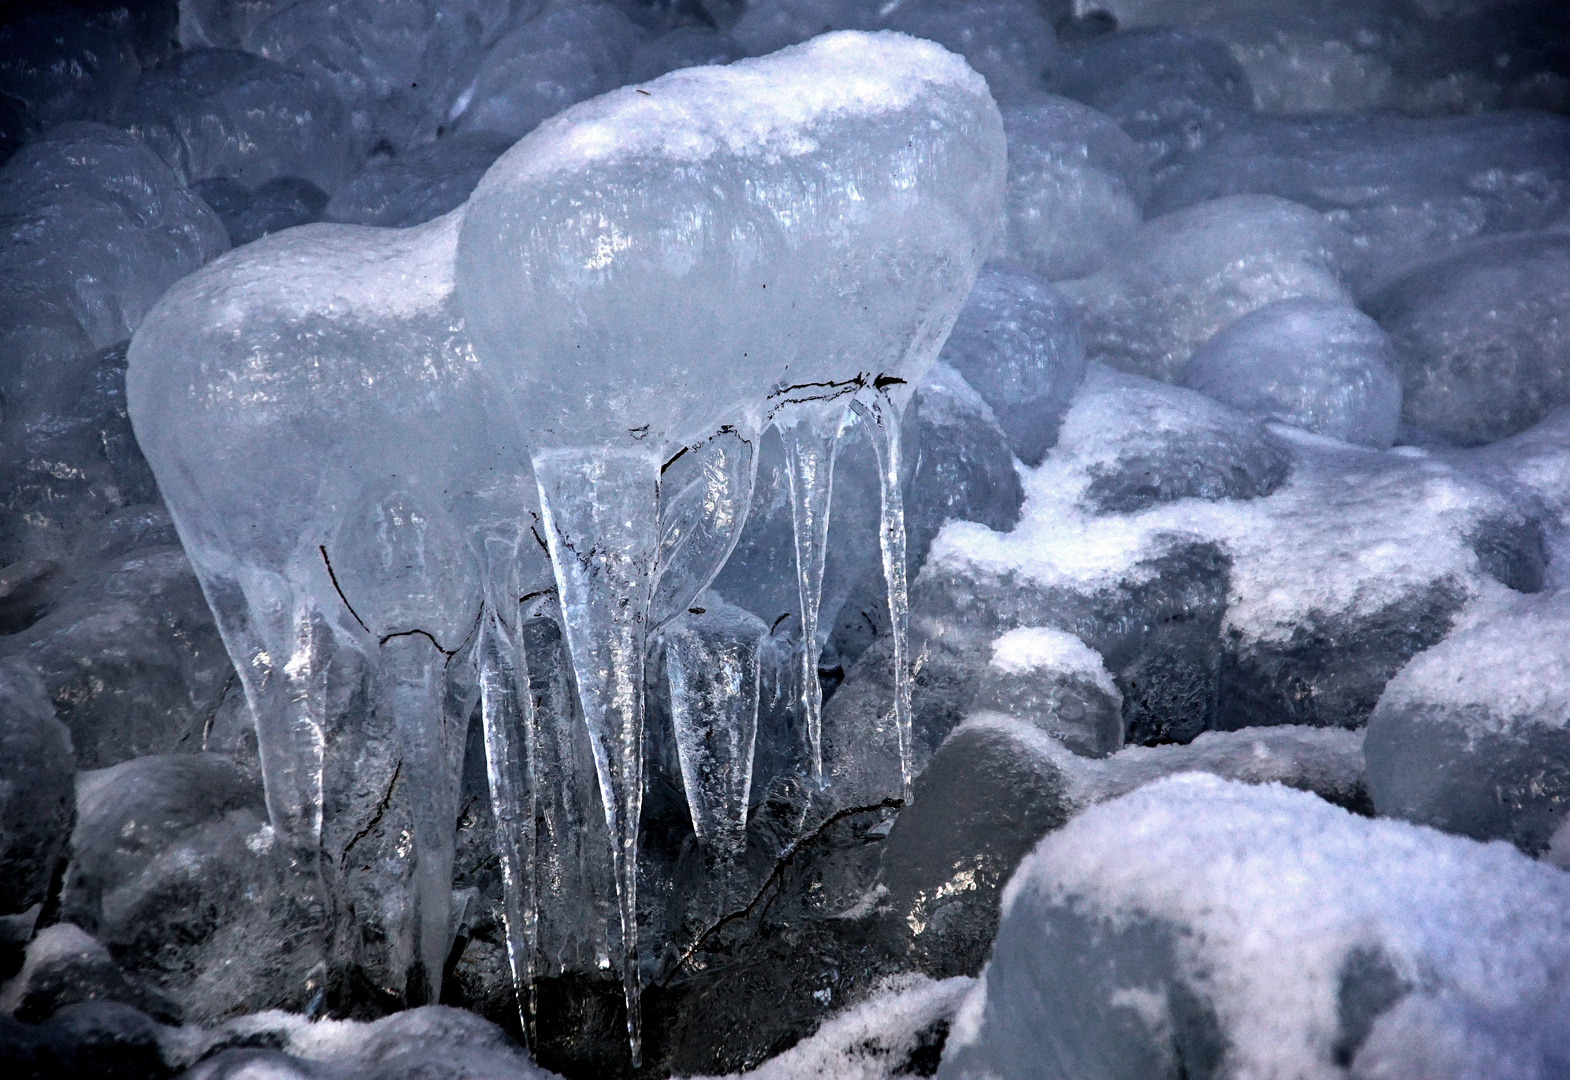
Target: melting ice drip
352	427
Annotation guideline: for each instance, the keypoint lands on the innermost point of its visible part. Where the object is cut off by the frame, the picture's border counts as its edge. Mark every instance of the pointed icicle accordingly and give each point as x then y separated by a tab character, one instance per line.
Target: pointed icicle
511	751
887	419
711	661
289	703
601	509
413	693
704	506
810	434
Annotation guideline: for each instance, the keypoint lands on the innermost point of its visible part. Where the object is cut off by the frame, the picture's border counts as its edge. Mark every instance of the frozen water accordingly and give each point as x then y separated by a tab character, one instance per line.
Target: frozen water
1187	274
1017	343
417	185
1077	186
711	661
1405	189
1057	682
567	266
1470	737
37	802
364	545
1320	365
1009	41
1481	337
559	58
1257	931
401	69
224	113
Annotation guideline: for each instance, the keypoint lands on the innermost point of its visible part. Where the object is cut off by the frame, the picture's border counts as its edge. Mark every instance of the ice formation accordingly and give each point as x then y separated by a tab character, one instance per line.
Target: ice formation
419	444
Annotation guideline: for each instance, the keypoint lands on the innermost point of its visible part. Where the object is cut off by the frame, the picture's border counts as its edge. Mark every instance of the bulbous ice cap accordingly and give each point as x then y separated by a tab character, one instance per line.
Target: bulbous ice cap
663	261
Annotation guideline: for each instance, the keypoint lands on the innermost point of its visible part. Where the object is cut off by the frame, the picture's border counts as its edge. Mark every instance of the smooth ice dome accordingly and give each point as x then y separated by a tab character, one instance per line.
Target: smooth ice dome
1257	931
1319	365
570	260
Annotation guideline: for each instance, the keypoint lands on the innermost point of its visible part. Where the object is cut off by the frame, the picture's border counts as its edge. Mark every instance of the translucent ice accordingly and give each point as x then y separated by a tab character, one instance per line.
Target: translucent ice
711	660
1054	680
1017	343
1261	932
817	217
224	113
554	60
1187	274
1077	185
1321	365
330	504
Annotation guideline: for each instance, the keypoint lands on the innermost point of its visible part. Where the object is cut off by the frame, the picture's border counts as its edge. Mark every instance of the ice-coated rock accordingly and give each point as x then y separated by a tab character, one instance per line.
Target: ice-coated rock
1185	275
767	25
559	58
1405	189
89	1038
225	113
998	785
417	185
1076	190
174	868
1470	736
281	203
58	66
1320	365
223	24
685	46
1292	604
127	648
94	228
1017	343
401	69
1171	90
65	966
1056	682
1009	41
37	796
1481	337
1278	936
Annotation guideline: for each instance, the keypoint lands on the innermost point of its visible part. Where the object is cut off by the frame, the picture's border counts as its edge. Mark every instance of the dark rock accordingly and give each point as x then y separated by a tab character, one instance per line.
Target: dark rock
65	966
37	792
107	1040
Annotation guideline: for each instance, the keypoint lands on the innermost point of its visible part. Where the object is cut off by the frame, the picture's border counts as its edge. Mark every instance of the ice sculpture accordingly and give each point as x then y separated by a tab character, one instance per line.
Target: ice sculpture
673	260
647	281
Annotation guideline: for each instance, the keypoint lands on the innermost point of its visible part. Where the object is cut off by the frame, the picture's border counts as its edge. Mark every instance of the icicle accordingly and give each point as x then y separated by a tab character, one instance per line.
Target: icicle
711	660
289	705
887	419
701	517
511	751
601	509
810	433
413	691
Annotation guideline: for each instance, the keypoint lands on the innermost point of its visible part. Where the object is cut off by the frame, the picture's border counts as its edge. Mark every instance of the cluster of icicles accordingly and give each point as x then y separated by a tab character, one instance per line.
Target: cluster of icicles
362	433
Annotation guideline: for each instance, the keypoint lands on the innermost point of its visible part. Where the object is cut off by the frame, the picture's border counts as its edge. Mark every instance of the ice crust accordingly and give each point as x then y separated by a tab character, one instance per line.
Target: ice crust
1276	935
1319	365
